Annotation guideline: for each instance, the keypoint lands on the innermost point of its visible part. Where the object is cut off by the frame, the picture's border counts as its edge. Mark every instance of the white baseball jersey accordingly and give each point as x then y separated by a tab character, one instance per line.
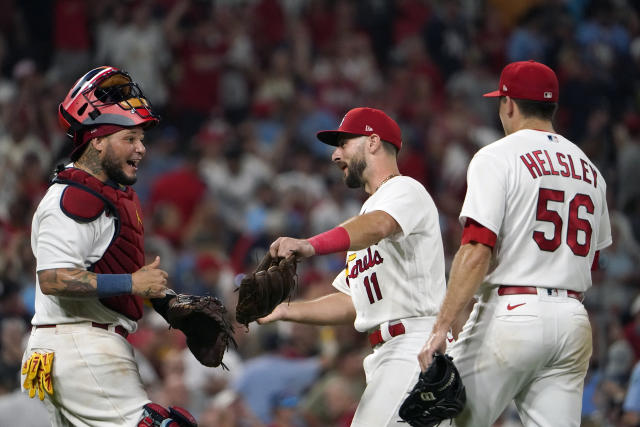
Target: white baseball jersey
402	276
546	202
58	241
87	359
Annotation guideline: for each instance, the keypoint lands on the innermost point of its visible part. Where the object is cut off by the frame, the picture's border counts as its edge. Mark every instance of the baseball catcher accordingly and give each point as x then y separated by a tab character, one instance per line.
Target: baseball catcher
261	291
438	395
203	320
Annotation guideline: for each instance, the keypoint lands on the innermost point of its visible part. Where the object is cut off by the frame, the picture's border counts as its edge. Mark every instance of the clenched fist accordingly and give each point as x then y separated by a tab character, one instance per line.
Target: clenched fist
150	281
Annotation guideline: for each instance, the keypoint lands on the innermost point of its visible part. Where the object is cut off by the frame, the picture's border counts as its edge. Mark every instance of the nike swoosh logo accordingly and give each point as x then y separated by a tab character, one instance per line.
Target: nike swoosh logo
511	307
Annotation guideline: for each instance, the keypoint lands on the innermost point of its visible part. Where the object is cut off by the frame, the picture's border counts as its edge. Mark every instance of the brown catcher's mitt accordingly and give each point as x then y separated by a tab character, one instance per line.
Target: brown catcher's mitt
204	322
261	291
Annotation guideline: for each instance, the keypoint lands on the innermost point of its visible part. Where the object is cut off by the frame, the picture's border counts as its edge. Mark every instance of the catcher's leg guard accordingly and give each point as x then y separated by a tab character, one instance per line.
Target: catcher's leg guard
182	416
154	415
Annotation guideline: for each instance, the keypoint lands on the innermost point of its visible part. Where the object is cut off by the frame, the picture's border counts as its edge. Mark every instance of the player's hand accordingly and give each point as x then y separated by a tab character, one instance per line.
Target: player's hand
278	313
285	246
437	343
150	281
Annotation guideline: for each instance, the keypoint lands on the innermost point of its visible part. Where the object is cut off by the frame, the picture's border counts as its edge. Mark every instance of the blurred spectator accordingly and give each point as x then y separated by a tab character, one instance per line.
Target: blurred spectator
334	398
266	376
228	409
528	40
233	180
200	47
71	38
139	47
632	328
626	136
617	370
12	331
284	411
336	206
174	197
631	406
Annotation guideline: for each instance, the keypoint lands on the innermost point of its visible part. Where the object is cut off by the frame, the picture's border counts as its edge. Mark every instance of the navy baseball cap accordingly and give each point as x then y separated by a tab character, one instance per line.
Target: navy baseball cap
527	80
364	121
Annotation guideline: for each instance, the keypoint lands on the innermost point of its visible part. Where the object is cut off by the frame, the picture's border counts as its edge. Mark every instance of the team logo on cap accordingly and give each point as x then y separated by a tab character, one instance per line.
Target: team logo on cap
504	88
368	128
548	95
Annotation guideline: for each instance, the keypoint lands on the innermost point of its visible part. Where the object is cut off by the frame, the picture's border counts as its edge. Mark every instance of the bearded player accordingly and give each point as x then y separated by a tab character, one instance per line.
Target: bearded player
87	237
393	282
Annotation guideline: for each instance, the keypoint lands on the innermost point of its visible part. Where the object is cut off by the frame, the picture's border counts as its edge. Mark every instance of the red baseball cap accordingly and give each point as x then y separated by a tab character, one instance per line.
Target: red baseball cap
364	121
527	80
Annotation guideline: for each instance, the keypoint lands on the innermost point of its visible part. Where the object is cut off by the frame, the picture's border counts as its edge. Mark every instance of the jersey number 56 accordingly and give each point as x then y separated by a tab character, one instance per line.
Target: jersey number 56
574	225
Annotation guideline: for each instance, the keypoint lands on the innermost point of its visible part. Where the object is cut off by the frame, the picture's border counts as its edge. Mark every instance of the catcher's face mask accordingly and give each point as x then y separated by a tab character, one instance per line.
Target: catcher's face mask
105	95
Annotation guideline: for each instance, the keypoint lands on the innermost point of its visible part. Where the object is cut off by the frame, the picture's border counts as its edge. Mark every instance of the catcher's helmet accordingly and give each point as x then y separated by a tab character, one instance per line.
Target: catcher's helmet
105	95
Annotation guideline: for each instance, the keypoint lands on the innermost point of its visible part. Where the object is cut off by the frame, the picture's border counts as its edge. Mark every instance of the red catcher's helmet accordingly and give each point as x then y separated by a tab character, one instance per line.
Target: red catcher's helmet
105	95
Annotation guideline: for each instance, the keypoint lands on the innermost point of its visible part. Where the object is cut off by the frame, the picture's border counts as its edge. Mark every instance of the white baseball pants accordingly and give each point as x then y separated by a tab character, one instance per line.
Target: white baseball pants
533	349
95	376
391	372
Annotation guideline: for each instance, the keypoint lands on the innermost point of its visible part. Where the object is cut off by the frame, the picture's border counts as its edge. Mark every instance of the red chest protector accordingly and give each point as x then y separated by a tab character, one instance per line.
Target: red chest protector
84	200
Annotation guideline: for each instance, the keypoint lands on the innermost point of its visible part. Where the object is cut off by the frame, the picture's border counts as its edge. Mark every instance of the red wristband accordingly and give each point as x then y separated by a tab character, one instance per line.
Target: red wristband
335	240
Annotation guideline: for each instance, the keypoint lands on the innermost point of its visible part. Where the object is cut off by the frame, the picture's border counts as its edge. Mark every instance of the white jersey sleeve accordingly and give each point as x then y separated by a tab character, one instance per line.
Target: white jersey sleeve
340	282
399	201
61	242
486	191
58	241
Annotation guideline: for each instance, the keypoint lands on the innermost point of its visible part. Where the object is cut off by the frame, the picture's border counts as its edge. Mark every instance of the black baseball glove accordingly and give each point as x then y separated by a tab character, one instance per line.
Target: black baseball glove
438	395
203	320
271	283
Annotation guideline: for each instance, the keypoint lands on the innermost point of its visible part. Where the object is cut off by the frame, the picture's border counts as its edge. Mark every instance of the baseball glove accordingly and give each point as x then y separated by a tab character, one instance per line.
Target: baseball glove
438	395
261	291
204	322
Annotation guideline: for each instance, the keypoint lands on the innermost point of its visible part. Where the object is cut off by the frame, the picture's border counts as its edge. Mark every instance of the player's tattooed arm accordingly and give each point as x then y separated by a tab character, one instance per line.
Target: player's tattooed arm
70	282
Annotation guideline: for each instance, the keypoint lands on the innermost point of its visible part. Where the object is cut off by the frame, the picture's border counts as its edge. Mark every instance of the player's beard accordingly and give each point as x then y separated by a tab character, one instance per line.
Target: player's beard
355	171
113	168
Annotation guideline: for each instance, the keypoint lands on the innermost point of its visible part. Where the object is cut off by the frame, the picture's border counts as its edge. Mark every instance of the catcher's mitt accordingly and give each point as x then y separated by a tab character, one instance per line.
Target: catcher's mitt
261	291
203	321
438	395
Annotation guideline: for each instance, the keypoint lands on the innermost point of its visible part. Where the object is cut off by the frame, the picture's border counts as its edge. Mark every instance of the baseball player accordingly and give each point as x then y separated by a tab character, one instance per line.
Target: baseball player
87	237
535	216
393	282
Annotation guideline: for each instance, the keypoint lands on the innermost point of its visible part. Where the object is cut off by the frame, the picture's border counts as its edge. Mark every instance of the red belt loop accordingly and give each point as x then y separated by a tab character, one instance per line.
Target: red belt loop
375	337
118	329
532	290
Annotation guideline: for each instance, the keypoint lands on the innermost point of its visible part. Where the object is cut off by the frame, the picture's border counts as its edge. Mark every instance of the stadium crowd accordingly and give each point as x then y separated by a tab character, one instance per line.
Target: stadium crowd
242	87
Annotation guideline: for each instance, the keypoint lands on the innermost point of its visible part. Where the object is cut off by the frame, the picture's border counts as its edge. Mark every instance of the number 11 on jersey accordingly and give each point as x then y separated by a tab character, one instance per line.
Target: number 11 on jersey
376	288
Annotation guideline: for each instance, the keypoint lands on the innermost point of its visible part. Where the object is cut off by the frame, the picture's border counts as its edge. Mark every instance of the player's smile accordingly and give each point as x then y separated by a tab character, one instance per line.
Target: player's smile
133	163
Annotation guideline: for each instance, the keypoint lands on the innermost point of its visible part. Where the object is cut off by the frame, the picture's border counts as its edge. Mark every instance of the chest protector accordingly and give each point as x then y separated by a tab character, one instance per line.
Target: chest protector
84	200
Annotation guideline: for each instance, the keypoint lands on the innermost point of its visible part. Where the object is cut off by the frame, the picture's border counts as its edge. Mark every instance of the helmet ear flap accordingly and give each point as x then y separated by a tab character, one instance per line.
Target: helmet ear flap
67	122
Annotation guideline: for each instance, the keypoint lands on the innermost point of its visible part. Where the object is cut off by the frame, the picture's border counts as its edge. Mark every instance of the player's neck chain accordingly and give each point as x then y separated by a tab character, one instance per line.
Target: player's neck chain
385	180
